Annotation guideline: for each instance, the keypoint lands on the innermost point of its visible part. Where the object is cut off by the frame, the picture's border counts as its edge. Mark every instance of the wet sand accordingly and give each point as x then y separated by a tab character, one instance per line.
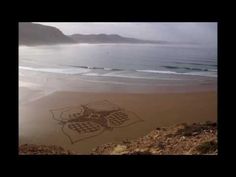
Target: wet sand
37	126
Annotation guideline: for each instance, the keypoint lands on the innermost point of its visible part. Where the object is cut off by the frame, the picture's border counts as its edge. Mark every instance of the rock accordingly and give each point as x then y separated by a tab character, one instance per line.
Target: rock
154	151
212	124
32	149
140	151
195	133
118	149
169	135
207	147
159	145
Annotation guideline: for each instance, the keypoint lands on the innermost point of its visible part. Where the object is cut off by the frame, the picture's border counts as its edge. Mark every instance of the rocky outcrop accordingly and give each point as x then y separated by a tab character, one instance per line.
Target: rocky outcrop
195	139
33	149
183	139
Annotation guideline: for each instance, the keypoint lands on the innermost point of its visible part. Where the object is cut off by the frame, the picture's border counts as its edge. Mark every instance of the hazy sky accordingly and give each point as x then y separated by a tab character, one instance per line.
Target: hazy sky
204	33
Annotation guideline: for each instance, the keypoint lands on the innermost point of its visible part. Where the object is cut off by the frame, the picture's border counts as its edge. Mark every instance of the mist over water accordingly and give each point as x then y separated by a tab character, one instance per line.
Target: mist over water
122	60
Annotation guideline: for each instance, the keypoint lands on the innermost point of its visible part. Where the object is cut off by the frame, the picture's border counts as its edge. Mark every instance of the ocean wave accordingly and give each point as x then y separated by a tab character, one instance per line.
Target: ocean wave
157	71
189	68
199	64
57	70
209	74
131	75
115	72
94	67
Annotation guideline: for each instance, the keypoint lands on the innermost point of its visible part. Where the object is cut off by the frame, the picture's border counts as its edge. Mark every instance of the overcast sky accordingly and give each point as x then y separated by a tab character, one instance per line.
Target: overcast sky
203	33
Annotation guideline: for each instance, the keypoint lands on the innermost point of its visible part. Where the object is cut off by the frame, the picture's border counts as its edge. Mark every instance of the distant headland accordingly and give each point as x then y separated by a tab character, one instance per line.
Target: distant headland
36	34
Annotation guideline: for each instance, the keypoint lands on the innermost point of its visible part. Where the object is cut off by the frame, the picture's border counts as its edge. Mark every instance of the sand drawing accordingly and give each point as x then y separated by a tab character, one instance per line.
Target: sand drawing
86	121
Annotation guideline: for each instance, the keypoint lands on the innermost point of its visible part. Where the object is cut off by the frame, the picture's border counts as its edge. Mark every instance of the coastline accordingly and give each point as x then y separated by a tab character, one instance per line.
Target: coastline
151	103
106	94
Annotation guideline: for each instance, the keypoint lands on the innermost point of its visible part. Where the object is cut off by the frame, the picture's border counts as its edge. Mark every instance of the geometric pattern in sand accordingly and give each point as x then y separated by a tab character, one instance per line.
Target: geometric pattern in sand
86	121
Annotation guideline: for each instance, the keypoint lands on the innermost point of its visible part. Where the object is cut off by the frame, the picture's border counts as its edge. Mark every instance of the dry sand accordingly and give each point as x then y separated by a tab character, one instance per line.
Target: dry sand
37	126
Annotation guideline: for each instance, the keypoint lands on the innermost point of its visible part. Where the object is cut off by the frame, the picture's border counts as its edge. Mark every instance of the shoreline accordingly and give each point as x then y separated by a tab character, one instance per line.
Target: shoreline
146	104
51	82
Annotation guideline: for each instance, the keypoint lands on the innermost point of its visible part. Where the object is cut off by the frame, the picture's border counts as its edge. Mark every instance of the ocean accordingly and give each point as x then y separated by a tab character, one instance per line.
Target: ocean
146	61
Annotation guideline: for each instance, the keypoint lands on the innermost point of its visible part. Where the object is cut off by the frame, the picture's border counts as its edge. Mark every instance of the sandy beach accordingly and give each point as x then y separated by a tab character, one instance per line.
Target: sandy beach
42	120
81	112
117	88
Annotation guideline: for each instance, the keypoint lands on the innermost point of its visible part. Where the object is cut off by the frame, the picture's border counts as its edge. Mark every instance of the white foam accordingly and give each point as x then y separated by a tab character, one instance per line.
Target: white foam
92	74
131	76
57	70
157	71
208	74
87	72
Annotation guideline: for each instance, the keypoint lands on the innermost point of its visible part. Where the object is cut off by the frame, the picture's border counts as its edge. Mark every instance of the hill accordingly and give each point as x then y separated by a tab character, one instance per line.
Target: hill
107	38
36	34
